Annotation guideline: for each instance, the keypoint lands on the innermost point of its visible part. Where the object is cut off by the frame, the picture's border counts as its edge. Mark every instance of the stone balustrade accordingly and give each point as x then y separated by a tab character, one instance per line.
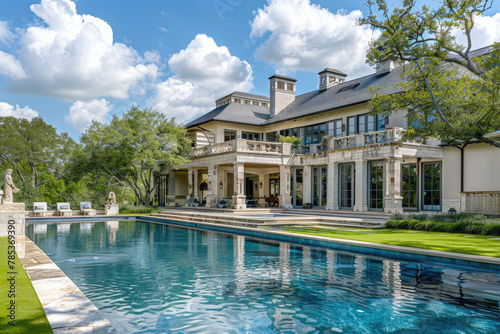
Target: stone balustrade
243	146
268	148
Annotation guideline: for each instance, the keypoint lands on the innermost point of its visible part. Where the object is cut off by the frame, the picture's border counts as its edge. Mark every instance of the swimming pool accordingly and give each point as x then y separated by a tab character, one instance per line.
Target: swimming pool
154	278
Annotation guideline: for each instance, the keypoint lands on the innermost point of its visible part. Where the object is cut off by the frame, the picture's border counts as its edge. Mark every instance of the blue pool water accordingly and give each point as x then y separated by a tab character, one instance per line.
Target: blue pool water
152	278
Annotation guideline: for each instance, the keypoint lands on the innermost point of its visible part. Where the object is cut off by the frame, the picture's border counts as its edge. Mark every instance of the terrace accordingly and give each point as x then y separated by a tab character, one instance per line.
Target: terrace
278	149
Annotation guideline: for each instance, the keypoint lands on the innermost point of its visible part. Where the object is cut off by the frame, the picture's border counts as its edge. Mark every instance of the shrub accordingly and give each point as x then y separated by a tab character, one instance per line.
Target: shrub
480	226
139	209
292	140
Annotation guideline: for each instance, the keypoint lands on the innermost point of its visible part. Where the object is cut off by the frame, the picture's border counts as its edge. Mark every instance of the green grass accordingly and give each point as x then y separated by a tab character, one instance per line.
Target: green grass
30	317
457	243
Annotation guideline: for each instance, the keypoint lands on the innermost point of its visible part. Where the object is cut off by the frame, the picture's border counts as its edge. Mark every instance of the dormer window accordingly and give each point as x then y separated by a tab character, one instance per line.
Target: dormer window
290	87
281	85
255	103
237	100
247	102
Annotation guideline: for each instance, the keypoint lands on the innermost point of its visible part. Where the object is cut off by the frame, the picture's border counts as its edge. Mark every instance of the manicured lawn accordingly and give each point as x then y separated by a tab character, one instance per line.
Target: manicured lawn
30	317
457	243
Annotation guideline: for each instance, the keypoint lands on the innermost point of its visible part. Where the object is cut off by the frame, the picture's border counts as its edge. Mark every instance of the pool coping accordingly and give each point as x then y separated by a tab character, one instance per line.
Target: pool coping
67	309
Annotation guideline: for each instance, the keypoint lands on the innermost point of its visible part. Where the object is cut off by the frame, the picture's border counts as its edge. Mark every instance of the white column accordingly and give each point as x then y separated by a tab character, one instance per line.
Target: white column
239	198
285	188
212	187
190	183
171	189
196	183
393	200
307	179
361	185
332	200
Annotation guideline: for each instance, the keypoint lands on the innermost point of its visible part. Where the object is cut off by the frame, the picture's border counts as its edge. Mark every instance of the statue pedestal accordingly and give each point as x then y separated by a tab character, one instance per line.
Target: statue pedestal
12	223
112	209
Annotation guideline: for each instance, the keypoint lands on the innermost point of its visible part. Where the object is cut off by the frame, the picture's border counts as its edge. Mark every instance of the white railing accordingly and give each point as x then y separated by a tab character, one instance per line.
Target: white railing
243	146
365	139
200	151
268	148
222	147
261	147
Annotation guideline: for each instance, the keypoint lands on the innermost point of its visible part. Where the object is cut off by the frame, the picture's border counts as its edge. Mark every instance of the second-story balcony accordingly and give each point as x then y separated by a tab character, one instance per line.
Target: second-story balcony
244	146
279	149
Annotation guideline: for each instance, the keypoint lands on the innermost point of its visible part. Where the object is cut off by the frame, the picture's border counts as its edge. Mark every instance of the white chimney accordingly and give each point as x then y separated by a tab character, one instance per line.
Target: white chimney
330	77
282	93
387	66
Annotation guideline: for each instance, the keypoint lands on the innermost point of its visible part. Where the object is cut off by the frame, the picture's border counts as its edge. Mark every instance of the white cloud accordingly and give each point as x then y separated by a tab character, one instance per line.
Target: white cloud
484	33
304	36
203	73
11	67
81	114
18	112
74	57
5	34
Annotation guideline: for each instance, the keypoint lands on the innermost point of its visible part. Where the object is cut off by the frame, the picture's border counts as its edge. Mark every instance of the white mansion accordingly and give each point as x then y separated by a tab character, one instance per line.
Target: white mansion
363	166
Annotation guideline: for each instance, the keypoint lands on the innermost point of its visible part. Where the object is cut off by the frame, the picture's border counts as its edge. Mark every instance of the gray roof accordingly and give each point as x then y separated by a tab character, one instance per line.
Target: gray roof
246	96
332	70
342	95
474	53
279	76
234	113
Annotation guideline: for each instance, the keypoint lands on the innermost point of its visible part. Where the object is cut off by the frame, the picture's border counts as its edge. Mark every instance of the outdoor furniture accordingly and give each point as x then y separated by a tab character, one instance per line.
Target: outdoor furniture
40	209
222	204
64	209
86	209
251	203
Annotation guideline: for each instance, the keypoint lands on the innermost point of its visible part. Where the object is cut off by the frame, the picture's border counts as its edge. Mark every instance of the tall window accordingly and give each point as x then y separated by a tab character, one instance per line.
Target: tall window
376	186
335	128
431	191
409	186
229	135
271	137
250	136
351	125
309	138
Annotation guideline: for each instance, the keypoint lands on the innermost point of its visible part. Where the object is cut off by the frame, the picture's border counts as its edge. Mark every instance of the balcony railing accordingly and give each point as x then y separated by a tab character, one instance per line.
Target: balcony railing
268	148
365	139
243	146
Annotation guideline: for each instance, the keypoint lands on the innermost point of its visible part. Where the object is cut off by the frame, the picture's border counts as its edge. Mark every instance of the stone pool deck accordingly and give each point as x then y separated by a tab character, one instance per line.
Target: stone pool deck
66	307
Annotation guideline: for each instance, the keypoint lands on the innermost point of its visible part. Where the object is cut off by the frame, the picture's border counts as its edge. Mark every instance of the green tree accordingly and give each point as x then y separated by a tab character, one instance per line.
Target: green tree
449	91
35	151
129	149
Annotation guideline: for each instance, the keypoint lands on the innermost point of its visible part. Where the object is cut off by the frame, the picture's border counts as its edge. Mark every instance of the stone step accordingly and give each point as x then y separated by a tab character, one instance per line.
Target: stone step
275	221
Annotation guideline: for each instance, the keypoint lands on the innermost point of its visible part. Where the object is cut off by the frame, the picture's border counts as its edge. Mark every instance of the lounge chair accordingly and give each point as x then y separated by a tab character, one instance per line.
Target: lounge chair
40	209
64	209
86	209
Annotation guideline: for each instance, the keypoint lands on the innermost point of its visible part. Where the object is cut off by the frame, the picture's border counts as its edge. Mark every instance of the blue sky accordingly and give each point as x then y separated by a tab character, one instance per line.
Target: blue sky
59	60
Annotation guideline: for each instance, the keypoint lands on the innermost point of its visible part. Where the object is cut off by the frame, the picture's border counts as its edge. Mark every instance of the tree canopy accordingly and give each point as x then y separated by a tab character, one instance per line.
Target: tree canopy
450	91
130	148
35	151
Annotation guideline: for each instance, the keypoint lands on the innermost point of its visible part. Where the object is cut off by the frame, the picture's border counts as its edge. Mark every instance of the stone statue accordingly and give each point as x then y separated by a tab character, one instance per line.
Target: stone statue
9	188
112	198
